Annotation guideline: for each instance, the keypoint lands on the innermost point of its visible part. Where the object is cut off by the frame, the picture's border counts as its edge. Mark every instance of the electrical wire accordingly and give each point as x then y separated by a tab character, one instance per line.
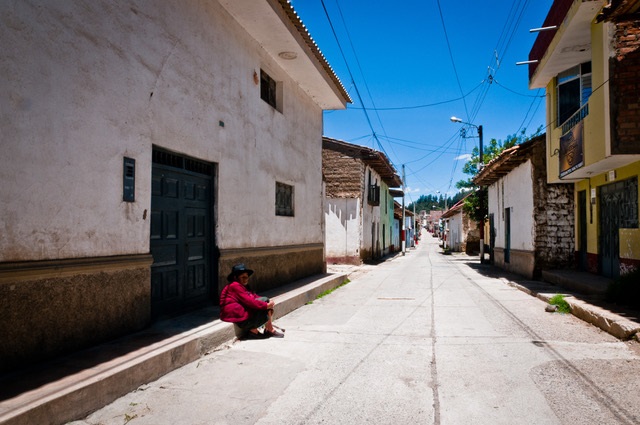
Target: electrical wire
453	62
398	108
353	81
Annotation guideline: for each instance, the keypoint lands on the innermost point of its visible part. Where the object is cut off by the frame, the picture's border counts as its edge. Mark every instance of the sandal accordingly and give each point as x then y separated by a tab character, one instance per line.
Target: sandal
274	334
251	335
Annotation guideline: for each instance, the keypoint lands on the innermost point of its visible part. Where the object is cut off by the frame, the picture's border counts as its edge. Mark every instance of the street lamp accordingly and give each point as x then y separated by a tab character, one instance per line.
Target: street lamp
480	193
445	199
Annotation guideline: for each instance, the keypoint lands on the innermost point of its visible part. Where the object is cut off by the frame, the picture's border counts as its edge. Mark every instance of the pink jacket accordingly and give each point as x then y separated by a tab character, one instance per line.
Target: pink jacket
236	303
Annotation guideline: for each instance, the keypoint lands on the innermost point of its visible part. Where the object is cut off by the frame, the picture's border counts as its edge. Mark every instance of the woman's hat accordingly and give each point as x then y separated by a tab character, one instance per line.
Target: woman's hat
238	269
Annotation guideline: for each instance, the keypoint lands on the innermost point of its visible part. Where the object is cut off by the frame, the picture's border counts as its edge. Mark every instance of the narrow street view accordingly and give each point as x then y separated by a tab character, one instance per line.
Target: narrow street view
424	338
319	212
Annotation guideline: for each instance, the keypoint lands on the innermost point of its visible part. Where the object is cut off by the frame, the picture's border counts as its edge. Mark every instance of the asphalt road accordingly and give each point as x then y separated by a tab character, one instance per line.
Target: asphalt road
420	339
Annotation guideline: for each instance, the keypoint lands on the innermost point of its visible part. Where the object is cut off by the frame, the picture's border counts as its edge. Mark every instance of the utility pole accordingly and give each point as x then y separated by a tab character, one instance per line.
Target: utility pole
480	193
481	198
415	226
404	233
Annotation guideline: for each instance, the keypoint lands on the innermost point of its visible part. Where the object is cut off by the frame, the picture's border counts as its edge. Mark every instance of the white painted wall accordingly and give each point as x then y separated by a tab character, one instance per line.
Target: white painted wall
371	226
344	230
455	232
515	191
88	82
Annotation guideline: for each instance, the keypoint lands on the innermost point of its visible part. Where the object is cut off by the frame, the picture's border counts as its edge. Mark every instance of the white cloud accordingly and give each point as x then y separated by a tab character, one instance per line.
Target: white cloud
466	157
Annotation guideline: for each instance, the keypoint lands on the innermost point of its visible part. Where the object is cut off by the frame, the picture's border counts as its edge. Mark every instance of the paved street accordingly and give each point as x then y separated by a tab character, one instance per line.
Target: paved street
420	339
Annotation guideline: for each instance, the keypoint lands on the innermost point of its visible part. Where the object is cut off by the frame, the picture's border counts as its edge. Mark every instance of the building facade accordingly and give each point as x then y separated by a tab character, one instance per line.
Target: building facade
589	63
146	148
531	221
358	207
461	234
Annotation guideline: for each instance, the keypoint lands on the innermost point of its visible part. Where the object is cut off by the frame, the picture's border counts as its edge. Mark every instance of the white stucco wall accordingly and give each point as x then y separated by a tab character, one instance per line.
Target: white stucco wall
86	83
515	191
343	226
371	226
455	232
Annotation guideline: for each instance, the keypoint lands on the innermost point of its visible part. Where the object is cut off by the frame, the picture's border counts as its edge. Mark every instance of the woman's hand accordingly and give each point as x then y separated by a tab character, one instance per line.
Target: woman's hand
270	304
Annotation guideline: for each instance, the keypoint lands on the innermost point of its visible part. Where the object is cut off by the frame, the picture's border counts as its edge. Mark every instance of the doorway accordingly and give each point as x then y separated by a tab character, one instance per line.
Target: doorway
618	210
181	233
582	230
507	235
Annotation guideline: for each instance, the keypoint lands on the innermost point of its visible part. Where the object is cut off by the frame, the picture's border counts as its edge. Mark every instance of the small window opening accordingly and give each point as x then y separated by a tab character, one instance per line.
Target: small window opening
268	89
284	199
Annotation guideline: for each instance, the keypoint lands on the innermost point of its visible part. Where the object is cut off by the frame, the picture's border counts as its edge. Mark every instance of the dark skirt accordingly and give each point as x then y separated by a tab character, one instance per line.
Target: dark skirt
256	319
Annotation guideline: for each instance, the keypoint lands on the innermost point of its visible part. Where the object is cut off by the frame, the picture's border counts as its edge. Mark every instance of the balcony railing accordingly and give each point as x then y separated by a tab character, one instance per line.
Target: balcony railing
574	119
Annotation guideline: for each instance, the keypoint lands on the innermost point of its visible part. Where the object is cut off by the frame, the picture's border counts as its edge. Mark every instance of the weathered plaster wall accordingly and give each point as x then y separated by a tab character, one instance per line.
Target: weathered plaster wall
88	82
105	79
514	191
344	180
455	236
344	230
371	243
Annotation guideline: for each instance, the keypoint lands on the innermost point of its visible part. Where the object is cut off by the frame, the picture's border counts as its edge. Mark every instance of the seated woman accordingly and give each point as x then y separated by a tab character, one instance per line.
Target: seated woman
245	309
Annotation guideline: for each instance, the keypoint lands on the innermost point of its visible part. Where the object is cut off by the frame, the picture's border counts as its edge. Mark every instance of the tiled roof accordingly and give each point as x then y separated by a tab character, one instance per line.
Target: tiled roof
302	29
504	163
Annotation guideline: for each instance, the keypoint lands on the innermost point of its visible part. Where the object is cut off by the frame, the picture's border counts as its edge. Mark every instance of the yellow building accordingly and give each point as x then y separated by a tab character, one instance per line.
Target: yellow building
587	56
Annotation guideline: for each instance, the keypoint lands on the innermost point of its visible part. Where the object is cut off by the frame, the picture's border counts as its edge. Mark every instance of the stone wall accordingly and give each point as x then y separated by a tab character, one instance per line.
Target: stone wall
554	215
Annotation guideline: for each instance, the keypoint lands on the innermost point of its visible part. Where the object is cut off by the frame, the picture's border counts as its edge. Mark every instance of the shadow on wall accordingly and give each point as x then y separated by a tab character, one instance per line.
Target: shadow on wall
345	209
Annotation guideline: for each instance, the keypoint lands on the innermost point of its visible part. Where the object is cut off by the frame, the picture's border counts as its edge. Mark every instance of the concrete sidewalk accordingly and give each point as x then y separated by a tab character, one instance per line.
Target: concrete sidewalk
584	292
72	386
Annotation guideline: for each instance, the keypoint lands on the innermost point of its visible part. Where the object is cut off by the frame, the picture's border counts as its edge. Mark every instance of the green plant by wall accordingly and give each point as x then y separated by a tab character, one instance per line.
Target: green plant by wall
559	301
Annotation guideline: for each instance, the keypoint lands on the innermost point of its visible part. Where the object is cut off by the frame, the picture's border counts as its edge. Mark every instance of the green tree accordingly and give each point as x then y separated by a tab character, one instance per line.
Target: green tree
490	151
435	202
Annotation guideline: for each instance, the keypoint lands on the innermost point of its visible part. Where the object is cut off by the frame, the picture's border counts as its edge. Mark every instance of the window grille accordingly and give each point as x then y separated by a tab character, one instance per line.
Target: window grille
268	89
177	161
284	199
373	196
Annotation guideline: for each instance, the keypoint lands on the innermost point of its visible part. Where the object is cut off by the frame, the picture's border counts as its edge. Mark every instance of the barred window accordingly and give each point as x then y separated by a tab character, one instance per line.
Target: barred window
284	199
268	89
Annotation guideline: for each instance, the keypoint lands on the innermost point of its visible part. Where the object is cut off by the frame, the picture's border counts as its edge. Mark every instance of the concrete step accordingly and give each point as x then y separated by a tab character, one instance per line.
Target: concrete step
73	386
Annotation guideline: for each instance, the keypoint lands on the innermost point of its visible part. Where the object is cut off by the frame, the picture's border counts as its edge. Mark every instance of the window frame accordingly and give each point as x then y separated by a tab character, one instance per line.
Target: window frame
582	74
270	90
285	200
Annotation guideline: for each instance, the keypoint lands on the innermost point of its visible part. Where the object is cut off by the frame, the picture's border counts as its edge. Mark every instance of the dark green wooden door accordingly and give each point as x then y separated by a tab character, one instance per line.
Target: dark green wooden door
618	210
181	237
507	235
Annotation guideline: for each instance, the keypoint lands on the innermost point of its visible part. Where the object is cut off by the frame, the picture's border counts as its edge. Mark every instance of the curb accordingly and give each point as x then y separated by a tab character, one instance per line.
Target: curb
75	396
611	323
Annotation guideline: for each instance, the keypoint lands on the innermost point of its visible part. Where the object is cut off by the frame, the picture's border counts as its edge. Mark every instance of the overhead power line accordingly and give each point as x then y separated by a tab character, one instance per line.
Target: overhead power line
398	108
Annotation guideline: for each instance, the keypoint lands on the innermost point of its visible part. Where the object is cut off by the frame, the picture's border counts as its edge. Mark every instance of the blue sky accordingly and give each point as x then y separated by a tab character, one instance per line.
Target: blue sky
415	63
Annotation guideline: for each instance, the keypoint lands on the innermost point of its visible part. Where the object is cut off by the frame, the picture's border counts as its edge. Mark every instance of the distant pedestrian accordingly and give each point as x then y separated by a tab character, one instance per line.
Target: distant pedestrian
247	310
